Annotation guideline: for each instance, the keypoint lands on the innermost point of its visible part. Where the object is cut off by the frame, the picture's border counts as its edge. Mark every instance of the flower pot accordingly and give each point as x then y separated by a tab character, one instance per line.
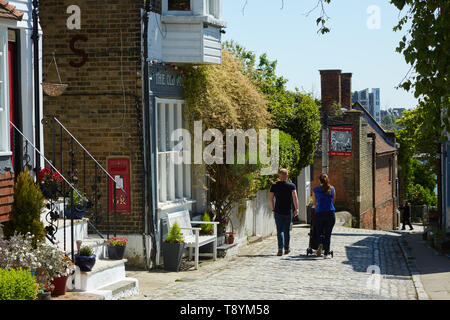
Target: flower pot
78	213
116	252
230	239
60	284
49	190
44	296
85	263
173	252
54	89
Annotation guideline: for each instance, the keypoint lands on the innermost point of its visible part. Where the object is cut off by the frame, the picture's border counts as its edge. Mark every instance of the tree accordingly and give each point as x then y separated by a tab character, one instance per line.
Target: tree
418	141
224	98
426	48
26	210
388	122
293	112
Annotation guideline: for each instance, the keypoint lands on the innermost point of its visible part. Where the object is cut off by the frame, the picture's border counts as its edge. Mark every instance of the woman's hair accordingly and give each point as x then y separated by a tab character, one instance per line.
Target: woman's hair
325	182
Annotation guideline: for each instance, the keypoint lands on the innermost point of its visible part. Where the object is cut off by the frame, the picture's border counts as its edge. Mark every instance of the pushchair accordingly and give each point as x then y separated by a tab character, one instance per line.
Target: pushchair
313	244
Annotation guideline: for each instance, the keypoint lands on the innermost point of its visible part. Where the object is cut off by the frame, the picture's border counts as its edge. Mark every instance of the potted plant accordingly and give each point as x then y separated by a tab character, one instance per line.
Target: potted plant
66	268
48	182
45	291
230	237
79	206
206	229
85	259
173	249
116	247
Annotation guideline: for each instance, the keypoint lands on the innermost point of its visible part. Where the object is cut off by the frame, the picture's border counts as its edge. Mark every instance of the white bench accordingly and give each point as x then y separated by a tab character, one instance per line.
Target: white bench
191	236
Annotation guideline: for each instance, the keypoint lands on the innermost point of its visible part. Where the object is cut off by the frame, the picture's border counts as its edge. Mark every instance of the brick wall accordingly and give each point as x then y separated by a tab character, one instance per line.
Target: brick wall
353	176
6	195
103	100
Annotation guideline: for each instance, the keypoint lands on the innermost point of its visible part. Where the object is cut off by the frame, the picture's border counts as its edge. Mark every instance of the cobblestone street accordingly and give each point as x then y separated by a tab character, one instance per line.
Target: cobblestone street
258	274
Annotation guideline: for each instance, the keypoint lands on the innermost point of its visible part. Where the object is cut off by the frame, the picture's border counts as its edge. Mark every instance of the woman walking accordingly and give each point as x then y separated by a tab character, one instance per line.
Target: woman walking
324	197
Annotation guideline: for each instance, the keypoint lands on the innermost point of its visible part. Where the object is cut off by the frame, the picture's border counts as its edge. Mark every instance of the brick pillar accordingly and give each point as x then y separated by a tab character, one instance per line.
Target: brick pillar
346	90
331	88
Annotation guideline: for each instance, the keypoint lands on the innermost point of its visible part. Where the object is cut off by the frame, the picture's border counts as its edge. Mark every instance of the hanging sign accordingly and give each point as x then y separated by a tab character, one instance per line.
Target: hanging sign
341	141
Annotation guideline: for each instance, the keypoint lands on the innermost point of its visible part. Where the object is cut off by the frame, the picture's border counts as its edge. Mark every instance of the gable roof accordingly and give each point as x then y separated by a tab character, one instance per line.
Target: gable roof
386	144
8	11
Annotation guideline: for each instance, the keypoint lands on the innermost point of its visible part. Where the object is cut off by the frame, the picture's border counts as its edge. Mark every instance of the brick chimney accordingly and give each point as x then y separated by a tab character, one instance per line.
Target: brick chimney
346	90
331	88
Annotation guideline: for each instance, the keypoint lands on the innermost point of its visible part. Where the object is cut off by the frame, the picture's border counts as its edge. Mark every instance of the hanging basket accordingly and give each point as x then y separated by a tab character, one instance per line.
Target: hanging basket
54	89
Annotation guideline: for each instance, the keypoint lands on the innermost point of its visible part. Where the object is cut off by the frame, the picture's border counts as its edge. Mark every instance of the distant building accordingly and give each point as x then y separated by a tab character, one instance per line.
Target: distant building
359	156
370	100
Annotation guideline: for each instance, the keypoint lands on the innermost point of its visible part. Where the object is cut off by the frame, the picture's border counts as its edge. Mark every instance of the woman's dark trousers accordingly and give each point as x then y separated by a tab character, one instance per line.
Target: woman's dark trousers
324	223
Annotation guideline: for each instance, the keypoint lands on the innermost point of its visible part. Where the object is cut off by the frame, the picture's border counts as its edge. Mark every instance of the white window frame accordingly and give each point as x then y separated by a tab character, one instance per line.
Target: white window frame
5	148
214	8
166	11
173	181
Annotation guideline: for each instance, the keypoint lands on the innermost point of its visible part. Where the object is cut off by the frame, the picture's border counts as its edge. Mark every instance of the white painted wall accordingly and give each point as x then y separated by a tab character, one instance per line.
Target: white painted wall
304	193
25	28
186	36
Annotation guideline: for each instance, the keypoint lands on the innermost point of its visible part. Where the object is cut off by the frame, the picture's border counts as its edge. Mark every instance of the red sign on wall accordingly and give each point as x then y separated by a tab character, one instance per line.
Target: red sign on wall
341	141
119	169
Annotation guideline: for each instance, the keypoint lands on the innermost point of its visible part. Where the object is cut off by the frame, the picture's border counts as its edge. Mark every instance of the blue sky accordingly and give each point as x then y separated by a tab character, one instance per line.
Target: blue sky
291	38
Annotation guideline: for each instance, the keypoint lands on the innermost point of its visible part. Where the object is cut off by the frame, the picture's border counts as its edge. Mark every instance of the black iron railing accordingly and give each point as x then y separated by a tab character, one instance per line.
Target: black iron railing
65	189
86	173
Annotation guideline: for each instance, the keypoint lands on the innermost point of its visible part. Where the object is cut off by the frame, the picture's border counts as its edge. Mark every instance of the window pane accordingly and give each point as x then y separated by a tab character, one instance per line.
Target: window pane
179	5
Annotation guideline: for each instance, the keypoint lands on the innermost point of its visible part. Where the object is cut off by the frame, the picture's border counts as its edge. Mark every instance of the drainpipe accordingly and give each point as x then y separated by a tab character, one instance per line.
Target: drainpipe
374	166
148	193
37	120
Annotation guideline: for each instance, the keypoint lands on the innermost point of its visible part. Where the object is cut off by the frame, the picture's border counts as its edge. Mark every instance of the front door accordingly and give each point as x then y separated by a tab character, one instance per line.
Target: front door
11	68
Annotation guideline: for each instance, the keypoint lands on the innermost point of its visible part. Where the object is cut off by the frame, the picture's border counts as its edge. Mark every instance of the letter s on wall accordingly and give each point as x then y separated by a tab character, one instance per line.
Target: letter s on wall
78	52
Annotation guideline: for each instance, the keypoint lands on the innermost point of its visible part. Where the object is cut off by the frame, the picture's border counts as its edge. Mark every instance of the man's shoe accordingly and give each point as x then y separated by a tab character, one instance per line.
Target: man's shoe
411	229
280	253
319	251
403	228
287	251
327	256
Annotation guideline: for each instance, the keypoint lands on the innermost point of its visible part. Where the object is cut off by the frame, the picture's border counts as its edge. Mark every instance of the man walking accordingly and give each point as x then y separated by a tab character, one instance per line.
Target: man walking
406	215
285	195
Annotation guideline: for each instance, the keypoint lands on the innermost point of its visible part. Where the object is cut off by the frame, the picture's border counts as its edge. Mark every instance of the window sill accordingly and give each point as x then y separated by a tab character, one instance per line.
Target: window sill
5	153
176	204
174	19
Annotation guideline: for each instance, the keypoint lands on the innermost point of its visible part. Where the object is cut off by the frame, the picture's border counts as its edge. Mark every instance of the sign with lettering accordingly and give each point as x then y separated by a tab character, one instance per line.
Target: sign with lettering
341	141
165	80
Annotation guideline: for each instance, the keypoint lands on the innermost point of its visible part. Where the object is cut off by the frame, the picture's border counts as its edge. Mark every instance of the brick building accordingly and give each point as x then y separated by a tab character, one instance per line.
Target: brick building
358	155
99	58
122	61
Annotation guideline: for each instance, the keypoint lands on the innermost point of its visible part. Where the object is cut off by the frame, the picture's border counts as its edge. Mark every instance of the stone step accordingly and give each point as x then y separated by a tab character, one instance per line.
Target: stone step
228	250
121	289
104	273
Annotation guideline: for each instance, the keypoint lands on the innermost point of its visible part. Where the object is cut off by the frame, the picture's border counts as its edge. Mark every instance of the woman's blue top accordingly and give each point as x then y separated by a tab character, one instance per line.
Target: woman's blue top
324	201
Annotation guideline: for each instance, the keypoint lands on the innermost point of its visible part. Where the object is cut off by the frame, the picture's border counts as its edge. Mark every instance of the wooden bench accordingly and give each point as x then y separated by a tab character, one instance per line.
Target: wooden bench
191	235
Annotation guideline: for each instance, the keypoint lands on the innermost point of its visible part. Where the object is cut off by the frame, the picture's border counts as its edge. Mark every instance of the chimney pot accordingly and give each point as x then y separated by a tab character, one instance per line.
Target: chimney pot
346	89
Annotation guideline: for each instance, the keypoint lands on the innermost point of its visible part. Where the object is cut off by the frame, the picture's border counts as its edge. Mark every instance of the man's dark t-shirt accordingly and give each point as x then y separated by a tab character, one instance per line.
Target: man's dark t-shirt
283	197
